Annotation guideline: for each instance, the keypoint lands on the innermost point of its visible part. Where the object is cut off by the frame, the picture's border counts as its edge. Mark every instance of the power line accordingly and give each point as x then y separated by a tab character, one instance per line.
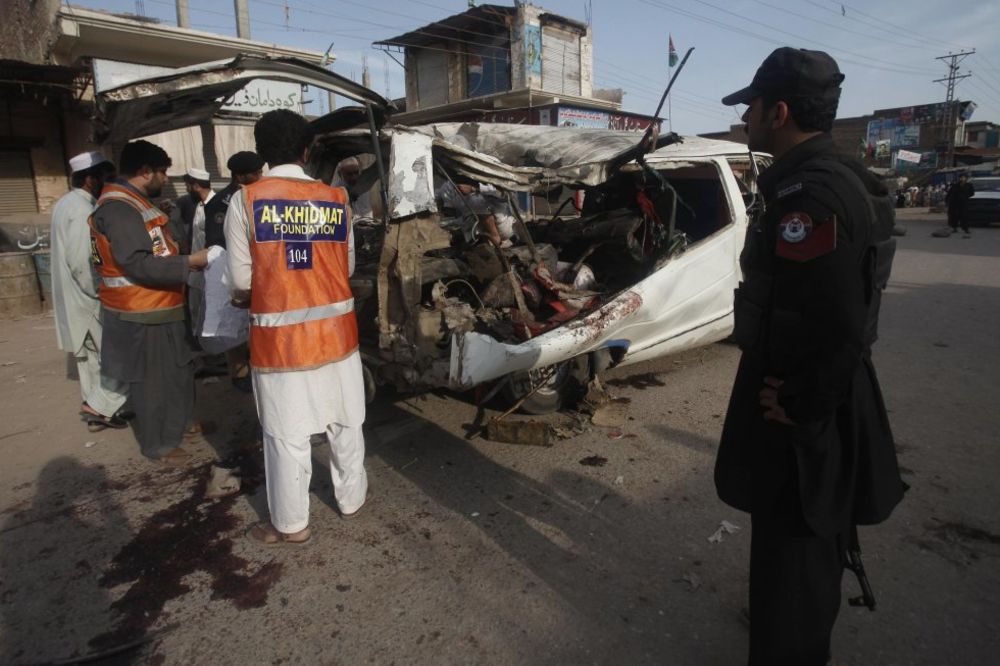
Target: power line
897	67
881	23
982	94
880	38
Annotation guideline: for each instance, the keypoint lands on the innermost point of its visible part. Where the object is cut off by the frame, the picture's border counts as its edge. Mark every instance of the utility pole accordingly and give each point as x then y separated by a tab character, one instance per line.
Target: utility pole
183	17
242	19
951	113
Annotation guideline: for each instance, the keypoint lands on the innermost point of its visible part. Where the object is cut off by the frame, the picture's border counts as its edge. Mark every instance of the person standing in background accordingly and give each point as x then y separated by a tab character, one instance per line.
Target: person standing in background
958	201
76	307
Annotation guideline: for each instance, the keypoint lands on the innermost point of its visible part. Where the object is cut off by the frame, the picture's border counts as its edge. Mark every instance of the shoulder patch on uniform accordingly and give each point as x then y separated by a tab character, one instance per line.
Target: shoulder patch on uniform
791	189
802	239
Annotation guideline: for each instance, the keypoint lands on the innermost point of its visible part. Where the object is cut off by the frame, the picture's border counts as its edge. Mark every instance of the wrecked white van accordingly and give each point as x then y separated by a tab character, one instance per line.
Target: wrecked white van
603	256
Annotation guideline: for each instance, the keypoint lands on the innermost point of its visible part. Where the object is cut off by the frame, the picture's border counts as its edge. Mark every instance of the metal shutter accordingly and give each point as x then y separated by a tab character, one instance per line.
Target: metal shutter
17	186
432	78
560	61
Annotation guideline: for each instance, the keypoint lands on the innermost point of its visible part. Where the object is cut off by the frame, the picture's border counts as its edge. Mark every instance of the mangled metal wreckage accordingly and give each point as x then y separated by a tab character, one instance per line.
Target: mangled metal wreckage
644	266
519	253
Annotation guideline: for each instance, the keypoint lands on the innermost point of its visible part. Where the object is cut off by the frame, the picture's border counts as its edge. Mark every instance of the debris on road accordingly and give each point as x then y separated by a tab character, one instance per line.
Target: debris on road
692	579
223	482
725	527
530	433
611	414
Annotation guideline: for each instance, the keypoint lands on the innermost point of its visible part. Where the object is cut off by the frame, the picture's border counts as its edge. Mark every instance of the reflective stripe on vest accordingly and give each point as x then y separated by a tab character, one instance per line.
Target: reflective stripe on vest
301	305
116	282
116	290
303	315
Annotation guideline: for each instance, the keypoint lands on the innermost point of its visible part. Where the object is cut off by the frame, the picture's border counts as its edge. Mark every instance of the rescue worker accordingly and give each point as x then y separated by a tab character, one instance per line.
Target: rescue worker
245	168
74	293
291	252
142	301
806	447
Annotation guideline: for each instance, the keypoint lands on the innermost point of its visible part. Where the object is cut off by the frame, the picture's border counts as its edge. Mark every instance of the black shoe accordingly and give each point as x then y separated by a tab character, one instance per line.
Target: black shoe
97	422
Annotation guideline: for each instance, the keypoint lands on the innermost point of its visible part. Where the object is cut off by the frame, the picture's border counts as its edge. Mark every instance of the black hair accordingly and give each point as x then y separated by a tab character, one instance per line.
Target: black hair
139	154
811	114
282	136
104	169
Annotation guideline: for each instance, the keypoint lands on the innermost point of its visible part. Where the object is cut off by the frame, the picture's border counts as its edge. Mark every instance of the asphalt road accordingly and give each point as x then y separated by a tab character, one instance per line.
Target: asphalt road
478	552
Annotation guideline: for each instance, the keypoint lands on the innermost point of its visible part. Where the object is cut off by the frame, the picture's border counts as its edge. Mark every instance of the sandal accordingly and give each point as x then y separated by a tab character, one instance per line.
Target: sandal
98	422
177	457
266	534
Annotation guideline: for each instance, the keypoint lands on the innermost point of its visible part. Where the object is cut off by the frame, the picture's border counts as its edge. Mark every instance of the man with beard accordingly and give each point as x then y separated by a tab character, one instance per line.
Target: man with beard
74	293
806	447
142	278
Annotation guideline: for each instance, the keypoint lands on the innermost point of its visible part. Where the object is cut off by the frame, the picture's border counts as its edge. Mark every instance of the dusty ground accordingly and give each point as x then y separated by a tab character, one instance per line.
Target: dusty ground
477	552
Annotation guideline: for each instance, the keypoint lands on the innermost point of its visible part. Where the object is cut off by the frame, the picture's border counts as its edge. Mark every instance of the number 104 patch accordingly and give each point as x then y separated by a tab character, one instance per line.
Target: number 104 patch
299	256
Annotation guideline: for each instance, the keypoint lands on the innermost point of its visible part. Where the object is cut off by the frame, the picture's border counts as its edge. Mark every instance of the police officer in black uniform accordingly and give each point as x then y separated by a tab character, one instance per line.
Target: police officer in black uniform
246	167
806	447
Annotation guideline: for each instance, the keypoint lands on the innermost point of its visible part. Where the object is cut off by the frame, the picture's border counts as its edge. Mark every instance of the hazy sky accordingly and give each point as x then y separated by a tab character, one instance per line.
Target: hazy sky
886	48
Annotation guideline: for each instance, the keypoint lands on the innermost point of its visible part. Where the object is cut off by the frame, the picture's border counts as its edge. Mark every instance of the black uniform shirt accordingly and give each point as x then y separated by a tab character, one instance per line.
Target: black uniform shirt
801	317
215	215
814	238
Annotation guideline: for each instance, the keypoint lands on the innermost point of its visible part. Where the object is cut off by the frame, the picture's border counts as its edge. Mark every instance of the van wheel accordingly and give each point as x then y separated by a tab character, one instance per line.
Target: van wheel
368	378
561	385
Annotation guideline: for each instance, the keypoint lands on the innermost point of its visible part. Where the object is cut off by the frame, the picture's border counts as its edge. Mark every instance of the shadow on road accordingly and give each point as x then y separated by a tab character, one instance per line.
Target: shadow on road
51	556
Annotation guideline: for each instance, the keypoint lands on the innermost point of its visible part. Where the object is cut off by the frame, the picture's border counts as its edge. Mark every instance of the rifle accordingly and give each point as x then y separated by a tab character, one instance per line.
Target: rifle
854	563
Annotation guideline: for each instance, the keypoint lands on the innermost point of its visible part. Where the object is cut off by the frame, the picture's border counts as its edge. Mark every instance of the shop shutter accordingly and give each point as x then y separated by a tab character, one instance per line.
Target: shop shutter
432	78
560	61
17	187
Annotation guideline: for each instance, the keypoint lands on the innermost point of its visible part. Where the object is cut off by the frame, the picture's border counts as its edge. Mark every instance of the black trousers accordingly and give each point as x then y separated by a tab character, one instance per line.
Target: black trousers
164	400
795	578
956	219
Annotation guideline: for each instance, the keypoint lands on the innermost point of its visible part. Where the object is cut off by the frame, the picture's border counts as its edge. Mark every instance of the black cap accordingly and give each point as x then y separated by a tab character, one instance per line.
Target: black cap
795	73
245	162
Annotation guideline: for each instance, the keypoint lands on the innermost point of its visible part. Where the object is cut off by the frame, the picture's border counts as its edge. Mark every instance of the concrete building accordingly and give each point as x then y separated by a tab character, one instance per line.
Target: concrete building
53	57
495	63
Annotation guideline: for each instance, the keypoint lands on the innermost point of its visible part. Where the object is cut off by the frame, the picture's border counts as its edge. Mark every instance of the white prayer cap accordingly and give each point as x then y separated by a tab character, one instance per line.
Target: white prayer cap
198	174
86	160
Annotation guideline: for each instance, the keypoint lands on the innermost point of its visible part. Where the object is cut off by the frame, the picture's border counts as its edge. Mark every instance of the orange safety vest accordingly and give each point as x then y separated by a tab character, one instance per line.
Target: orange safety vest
301	306
116	290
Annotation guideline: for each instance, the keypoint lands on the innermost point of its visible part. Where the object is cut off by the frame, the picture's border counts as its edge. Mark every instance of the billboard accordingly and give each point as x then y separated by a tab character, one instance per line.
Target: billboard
894	130
905	160
569	116
258	96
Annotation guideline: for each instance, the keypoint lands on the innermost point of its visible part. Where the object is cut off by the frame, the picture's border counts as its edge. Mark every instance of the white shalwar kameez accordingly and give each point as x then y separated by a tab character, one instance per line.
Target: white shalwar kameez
295	404
75	305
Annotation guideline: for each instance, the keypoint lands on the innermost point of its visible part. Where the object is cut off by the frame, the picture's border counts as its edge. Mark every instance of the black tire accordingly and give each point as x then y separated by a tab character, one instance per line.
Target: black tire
563	385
